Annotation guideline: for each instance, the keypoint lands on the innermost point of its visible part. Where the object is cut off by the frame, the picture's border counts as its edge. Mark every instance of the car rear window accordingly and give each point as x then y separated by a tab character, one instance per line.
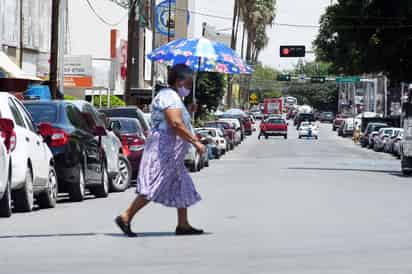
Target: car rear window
126	126
276	121
43	112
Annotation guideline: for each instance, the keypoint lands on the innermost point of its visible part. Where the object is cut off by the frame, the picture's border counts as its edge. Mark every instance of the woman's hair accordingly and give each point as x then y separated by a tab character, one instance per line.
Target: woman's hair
179	72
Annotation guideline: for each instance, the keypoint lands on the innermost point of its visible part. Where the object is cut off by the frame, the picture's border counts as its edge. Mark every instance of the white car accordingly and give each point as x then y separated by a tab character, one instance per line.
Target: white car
218	138
7	144
33	173
308	130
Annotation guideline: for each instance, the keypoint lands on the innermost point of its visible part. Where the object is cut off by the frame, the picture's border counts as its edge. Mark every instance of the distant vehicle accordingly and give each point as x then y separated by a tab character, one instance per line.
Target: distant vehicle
308	130
290	102
348	127
338	121
370	131
33	166
237	126
274	127
257	114
7	144
247	123
273	106
217	137
396	150
130	133
76	146
129	112
389	142
228	131
327	117
303	117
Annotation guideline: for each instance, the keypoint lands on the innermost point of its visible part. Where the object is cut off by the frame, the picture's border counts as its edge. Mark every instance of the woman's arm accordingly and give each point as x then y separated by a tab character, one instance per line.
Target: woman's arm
174	118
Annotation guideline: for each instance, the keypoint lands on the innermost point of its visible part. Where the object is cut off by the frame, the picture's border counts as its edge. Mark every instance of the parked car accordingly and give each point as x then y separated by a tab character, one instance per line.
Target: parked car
338	121
116	161
210	145
217	137
237	127
247	123
381	138
274	127
33	166
308	130
370	130
76	146
396	151
129	112
228	130
7	145
193	160
388	142
257	114
326	116
131	134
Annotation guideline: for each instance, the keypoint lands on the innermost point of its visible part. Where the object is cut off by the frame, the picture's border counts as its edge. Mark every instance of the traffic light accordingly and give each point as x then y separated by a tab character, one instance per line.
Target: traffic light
284	77
318	79
292	51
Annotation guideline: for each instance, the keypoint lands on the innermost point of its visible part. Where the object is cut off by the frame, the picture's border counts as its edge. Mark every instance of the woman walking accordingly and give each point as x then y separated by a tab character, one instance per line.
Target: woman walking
163	177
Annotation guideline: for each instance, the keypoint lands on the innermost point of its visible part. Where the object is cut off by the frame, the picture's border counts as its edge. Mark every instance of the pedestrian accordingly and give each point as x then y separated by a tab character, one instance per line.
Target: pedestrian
163	177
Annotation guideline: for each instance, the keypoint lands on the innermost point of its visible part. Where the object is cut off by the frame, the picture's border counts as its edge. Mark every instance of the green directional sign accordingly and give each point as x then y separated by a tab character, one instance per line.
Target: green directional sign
284	77
348	79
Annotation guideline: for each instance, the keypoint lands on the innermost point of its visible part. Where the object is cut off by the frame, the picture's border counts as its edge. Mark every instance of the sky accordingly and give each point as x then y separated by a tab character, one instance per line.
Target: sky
88	35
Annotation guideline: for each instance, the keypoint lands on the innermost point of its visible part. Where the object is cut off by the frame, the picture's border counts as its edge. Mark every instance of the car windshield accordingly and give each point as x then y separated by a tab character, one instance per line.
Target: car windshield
126	126
388	131
43	112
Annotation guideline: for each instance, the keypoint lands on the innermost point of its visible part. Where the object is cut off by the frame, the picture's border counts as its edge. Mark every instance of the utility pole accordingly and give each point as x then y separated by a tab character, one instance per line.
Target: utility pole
21	35
233	46
132	78
153	22
54	47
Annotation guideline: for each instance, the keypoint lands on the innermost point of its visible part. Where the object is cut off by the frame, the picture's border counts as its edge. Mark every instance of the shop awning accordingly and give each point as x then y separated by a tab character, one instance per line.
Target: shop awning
12	70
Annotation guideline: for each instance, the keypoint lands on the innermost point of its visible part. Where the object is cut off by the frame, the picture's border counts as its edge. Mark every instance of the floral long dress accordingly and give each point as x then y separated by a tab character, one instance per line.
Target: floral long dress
163	177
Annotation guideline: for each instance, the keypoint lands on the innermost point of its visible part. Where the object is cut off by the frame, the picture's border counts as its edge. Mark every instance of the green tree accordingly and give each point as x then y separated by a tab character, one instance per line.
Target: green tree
114	101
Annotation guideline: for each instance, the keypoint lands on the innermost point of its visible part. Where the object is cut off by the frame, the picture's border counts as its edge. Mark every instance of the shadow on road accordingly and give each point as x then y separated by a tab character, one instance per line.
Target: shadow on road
92	234
390	172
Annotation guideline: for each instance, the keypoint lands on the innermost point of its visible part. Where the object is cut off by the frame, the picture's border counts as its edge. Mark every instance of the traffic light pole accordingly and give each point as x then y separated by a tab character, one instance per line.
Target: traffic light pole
54	48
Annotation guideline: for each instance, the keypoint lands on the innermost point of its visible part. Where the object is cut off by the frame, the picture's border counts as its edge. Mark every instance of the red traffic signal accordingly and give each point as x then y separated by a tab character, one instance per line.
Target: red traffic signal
292	51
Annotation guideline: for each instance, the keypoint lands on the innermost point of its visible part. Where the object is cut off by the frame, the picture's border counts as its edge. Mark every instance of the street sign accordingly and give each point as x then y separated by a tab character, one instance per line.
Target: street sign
348	79
318	79
292	51
162	17
253	98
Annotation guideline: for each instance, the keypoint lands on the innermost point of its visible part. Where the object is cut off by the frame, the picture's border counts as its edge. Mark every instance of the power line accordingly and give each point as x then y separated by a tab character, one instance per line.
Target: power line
102	19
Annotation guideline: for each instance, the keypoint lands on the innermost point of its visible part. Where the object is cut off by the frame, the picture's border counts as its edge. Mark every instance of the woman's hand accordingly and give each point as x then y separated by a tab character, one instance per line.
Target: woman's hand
201	149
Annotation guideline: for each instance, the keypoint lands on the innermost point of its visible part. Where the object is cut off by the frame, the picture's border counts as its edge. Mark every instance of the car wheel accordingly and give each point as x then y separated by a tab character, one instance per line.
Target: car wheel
102	190
77	190
193	167
121	181
266	137
207	163
48	198
5	202
24	197
300	137
285	136
334	128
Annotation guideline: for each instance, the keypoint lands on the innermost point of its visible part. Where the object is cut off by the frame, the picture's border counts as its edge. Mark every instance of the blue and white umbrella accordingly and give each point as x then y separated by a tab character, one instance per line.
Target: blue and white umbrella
201	55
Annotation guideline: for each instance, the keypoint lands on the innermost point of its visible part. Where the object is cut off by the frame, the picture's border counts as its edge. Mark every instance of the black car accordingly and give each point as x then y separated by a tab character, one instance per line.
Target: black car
129	112
326	116
78	154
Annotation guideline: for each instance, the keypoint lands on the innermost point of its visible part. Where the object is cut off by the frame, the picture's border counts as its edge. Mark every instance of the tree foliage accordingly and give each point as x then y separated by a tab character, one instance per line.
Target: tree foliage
114	101
367	37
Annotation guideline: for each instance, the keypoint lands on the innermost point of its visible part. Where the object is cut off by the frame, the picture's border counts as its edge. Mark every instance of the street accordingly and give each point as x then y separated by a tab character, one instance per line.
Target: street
271	206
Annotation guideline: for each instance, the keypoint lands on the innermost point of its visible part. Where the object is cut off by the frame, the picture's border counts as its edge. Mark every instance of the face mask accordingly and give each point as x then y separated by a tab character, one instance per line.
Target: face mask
183	91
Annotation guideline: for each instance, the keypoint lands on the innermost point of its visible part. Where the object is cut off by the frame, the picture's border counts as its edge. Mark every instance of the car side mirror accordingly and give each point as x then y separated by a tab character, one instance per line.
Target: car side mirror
45	130
99	131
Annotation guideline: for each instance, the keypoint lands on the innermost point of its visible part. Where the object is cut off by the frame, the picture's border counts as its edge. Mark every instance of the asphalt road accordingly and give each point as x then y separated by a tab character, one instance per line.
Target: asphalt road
271	206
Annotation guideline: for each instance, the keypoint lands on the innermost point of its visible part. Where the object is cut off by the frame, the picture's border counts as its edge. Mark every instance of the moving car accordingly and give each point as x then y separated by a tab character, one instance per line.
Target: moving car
348	127
7	144
308	130
129	112
274	127
112	147
326	116
248	125
370	130
130	132
338	121
33	166
78	155
303	117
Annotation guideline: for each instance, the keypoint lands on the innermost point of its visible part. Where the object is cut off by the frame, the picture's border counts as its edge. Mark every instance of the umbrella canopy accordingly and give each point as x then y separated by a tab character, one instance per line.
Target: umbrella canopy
201	55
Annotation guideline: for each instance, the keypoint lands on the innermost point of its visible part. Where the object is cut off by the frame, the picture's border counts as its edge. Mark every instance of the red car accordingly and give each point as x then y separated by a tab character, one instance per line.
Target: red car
274	127
228	131
131	134
247	123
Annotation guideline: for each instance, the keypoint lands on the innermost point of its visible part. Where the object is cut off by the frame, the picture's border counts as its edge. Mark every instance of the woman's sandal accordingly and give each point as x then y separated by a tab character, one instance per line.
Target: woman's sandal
125	227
